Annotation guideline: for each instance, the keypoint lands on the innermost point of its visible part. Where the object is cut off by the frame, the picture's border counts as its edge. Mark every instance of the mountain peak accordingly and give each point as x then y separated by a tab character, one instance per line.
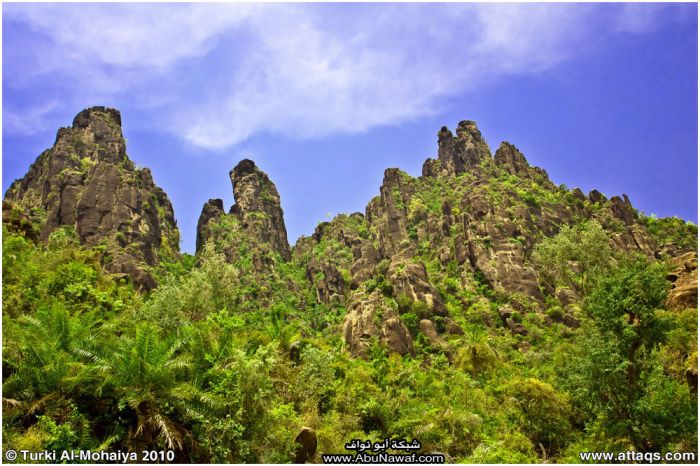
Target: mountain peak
87	181
257	207
464	152
244	167
97	113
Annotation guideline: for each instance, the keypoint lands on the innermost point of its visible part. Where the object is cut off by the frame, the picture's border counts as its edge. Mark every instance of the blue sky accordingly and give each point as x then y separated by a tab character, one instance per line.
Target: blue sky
324	97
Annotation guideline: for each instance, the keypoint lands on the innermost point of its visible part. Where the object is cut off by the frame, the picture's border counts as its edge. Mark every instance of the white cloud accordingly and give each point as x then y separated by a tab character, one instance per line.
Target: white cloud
298	70
148	35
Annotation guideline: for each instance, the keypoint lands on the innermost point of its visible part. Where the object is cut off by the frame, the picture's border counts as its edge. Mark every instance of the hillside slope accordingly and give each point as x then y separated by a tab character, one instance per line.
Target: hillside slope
479	308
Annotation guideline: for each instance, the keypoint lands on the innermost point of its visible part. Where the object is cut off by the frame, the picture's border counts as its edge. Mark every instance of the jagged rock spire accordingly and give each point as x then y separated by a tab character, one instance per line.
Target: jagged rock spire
212	209
87	181
258	206
257	209
510	159
468	149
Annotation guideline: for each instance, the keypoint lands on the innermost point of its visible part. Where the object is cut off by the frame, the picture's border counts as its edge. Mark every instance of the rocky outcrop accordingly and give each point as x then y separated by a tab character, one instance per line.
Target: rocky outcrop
87	181
473	213
621	208
463	152
258	206
596	196
684	279
18	222
509	159
470	216
410	281
370	316
570	321
453	327
214	208
427	328
389	213
566	296
257	212
328	279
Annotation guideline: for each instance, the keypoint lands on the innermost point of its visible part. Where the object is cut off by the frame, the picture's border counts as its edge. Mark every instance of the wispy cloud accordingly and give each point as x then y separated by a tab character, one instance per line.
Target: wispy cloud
219	74
29	120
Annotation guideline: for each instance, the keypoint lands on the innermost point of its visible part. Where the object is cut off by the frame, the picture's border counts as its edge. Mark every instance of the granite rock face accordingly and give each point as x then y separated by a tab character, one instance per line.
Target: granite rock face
87	181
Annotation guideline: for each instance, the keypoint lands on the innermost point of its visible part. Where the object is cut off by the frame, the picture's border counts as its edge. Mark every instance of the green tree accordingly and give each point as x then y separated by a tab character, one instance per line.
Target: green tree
575	256
545	414
38	355
616	354
149	378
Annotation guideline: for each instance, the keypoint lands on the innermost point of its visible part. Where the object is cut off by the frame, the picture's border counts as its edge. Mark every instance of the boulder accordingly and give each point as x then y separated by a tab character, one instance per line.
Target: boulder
516	328
570	321
396	336
453	327
307	442
505	313
566	296
427	328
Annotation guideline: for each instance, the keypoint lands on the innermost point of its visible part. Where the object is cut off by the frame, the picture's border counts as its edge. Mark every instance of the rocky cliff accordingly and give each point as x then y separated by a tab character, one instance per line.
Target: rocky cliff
256	217
471	220
406	272
87	181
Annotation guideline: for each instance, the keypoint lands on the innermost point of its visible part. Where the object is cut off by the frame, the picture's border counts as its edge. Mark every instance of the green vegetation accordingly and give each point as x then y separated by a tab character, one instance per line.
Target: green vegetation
672	231
615	374
235	351
575	256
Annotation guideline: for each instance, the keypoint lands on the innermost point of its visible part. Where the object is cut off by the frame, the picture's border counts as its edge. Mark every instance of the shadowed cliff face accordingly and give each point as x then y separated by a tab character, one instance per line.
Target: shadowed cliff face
257	214
87	181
